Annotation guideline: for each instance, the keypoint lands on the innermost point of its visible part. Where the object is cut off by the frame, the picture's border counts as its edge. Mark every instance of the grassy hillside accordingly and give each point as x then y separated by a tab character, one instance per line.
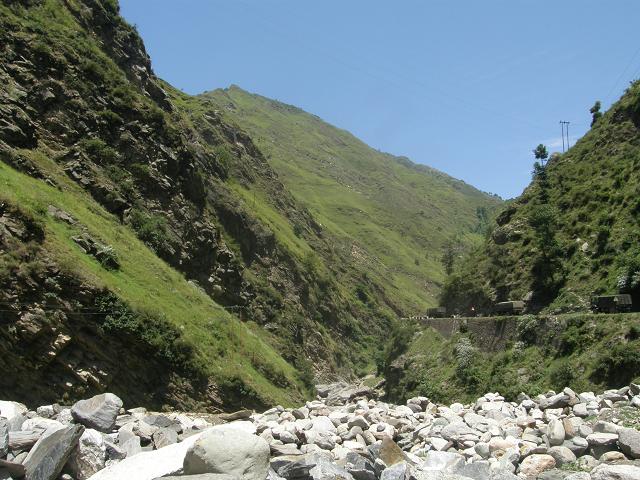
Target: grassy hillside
200	337
390	216
150	247
575	230
583	351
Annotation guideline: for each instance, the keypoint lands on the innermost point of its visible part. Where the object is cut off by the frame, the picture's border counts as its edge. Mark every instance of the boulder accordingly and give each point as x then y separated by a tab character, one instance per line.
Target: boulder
615	472
50	453
19	440
629	441
459	432
232	452
90	455
578	476
14	412
555	432
164	436
325	469
98	412
4	437
390	453
602	439
150	465
241	425
239	415
398	471
287	449
442	461
562	455
203	476
11	470
39	423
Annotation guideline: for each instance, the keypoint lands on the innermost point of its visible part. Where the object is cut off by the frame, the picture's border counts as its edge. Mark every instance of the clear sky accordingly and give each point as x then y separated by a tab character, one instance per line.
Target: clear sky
468	87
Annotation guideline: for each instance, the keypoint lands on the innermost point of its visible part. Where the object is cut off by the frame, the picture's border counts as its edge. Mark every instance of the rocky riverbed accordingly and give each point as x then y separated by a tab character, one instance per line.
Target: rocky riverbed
346	433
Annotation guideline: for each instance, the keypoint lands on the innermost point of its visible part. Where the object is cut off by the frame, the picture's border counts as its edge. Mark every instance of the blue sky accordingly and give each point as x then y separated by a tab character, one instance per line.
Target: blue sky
468	87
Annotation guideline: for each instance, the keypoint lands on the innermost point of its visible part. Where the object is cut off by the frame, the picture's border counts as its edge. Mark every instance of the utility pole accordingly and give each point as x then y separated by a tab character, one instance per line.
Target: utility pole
565	124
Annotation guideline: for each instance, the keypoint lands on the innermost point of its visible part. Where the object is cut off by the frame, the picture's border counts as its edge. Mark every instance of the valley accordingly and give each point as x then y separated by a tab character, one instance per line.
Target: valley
224	286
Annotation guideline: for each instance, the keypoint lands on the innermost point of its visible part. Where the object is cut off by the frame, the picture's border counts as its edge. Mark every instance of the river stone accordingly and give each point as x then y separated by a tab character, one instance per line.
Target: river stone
150	465
202	476
325	469
287	449
19	440
228	451
239	415
562	455
90	455
164	436
4	437
602	439
615	472
555	432
395	472
535	464
578	476
50	453
14	412
98	412
629	441
390	453
441	460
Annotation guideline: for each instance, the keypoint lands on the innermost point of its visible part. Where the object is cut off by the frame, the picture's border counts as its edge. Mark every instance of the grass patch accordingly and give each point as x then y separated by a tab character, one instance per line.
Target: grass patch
222	347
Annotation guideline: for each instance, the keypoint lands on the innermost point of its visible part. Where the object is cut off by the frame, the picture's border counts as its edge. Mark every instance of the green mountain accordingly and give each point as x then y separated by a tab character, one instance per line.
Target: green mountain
575	230
160	246
391	216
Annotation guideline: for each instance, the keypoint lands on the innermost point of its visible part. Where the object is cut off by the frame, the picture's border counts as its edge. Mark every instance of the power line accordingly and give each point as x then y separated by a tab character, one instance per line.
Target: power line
622	74
274	28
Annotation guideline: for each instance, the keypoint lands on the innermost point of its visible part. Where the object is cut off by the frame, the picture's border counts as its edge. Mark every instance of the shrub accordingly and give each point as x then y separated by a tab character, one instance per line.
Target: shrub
93	70
151	229
563	375
400	336
464	352
99	151
149	331
224	158
526	328
634	332
618	365
112	119
124	98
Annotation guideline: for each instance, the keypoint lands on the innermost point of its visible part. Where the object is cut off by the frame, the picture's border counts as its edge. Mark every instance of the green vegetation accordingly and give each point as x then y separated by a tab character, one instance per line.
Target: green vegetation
574	231
392	216
585	352
149	300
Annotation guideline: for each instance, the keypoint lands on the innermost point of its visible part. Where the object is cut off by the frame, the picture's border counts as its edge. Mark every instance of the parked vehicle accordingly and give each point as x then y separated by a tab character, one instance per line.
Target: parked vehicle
611	303
437	312
511	307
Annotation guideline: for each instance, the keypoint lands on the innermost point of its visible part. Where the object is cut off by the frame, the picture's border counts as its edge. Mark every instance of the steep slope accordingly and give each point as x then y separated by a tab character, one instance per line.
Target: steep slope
458	359
392	216
574	231
146	241
115	269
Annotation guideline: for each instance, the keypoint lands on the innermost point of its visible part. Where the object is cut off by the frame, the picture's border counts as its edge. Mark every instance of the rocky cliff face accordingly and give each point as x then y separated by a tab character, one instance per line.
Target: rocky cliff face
94	147
79	99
